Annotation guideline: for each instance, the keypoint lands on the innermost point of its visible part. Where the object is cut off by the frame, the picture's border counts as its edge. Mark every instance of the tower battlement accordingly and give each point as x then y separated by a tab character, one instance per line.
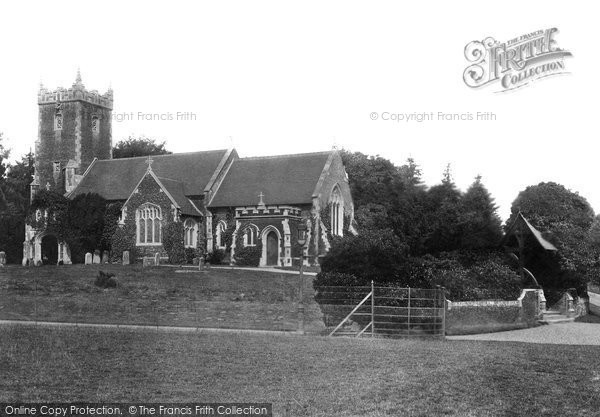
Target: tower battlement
77	92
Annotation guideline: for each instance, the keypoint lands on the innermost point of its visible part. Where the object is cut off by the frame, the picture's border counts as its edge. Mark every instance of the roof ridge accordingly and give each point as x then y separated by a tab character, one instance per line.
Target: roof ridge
285	155
164	155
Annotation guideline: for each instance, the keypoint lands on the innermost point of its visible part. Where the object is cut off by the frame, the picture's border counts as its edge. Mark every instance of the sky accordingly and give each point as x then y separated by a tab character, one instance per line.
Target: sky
277	77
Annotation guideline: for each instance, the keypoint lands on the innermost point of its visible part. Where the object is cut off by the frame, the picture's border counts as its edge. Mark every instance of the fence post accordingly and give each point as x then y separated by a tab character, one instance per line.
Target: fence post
372	309
443	311
408	321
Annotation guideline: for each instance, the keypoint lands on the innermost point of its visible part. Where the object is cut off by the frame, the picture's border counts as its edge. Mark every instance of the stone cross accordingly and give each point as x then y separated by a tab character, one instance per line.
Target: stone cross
149	161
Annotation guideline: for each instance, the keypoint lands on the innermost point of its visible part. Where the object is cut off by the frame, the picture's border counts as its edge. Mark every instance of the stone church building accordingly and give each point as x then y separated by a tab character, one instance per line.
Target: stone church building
223	201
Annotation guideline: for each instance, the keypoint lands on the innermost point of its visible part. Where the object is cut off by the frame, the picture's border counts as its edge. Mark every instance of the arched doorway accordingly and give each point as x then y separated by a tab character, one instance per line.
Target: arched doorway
272	248
49	250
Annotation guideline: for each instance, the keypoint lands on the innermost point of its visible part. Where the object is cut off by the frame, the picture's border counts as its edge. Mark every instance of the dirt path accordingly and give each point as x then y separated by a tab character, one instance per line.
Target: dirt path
562	334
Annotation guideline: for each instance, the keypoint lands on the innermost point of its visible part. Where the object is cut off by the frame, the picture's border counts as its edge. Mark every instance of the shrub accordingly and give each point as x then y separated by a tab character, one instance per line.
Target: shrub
374	255
216	257
248	256
105	280
173	242
123	240
190	254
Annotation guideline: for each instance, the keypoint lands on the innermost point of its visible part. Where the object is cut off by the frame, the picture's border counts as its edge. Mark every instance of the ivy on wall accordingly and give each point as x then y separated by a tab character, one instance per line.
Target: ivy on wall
247	255
227	235
172	235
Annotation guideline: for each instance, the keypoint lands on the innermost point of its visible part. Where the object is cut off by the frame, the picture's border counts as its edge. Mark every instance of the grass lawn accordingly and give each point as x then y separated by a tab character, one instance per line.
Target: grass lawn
157	296
301	376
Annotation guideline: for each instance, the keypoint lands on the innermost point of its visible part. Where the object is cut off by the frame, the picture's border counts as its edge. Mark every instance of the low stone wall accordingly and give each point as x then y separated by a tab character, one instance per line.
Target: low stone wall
468	317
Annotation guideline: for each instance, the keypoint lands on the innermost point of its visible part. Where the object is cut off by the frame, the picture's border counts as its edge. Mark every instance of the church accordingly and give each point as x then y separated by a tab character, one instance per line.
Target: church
224	202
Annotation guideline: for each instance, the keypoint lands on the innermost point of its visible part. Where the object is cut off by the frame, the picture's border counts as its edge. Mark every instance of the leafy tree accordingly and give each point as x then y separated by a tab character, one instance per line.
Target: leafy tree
372	179
79	222
565	218
4	154
141	146
14	202
374	255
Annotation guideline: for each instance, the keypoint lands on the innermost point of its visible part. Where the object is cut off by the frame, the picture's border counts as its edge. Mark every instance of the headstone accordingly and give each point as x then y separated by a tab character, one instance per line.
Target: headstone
147	261
96	258
157	259
2	259
105	257
88	258
126	257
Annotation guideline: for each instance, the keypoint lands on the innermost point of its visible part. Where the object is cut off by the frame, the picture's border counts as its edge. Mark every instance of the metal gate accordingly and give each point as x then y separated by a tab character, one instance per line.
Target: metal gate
382	311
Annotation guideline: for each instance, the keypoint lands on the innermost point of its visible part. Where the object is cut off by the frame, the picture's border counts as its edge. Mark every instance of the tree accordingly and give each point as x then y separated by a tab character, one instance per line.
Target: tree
141	146
481	225
4	154
443	213
79	222
14	202
372	179
565	218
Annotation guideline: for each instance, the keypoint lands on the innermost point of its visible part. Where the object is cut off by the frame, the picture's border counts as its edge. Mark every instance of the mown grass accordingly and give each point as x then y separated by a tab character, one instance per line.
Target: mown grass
301	376
157	296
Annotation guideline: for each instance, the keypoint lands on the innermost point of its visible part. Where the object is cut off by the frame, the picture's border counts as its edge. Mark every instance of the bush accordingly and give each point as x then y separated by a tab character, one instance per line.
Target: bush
216	257
105	280
374	255
248	256
173	242
190	254
123	240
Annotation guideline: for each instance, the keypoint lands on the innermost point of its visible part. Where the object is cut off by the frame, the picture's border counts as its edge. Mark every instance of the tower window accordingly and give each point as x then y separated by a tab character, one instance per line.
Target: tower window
58	121
95	123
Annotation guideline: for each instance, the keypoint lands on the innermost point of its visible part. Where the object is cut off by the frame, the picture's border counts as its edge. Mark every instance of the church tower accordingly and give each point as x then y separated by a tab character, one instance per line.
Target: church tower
74	128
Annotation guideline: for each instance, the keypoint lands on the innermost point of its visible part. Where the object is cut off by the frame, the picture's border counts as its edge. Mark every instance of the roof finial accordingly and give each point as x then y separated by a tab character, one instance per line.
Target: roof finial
149	162
78	78
261	203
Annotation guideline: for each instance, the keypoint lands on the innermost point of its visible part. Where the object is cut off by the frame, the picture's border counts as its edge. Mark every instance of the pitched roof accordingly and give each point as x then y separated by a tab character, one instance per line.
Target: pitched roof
283	179
115	179
175	189
534	232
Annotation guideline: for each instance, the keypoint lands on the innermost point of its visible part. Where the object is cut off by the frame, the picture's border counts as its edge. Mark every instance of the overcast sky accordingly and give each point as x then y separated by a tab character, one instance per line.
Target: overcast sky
282	77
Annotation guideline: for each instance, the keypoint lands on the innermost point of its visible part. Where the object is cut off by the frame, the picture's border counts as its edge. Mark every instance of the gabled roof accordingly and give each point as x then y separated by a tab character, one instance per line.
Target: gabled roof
176	190
173	190
283	179
115	179
537	235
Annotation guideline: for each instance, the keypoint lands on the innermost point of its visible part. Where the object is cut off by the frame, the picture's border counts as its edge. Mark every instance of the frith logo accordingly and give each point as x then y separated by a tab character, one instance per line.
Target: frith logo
515	63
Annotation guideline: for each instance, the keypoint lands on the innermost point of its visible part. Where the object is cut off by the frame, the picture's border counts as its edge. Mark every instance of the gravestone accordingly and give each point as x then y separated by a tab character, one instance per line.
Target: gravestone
2	259
126	257
88	258
96	258
157	259
105	257
147	261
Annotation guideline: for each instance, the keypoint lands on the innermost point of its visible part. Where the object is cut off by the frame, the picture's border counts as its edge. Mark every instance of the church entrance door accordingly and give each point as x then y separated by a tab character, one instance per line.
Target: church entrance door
49	250
272	248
